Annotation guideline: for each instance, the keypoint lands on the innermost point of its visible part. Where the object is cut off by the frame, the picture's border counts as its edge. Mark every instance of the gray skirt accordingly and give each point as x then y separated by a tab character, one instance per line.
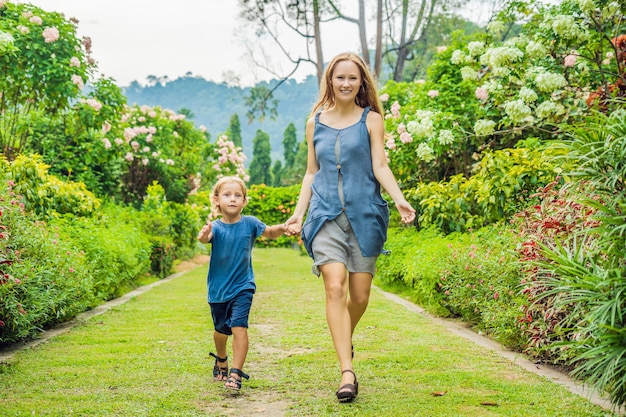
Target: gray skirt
336	242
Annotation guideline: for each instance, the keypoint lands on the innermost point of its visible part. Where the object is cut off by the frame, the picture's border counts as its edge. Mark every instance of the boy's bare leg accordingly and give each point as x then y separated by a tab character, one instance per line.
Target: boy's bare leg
240	350
220	340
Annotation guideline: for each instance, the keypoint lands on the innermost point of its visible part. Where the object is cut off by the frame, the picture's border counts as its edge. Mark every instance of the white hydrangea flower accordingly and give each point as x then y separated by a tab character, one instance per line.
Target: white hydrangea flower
475	48
549	108
469	74
496	27
566	27
501	56
425	152
517	110
446	137
587	6
6	42
484	127
547	82
457	57
493	86
536	50
422	126
528	95
501	71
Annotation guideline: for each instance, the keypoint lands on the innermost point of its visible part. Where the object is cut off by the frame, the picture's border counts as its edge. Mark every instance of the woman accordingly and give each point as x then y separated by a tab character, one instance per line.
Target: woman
346	225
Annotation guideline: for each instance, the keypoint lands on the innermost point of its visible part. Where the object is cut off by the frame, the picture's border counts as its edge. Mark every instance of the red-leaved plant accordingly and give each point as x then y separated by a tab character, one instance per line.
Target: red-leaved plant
556	219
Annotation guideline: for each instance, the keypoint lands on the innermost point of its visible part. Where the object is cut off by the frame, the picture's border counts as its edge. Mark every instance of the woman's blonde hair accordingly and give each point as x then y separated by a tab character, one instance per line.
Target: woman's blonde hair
215	193
367	95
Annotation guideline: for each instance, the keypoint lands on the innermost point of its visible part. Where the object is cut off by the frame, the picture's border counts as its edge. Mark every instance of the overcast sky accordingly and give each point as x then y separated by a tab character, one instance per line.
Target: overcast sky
132	39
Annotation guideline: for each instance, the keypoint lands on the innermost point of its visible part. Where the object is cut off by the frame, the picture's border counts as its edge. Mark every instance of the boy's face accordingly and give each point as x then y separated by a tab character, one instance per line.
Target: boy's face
231	200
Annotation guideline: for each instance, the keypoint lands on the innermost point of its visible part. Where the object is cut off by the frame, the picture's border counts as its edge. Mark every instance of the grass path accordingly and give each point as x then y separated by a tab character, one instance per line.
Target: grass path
149	357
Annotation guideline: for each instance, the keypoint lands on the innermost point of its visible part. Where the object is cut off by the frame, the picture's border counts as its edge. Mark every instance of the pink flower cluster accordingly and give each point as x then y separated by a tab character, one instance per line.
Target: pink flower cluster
51	34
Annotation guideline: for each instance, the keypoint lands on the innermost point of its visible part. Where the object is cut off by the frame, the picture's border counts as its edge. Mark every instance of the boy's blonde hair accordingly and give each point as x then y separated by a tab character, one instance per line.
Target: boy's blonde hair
215	193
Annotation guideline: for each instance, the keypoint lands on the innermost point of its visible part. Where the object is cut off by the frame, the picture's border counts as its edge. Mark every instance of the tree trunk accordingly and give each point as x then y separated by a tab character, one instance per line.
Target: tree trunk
365	52
318	41
378	52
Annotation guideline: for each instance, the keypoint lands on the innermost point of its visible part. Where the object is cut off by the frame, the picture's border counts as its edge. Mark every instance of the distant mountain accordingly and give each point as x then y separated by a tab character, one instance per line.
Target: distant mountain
213	105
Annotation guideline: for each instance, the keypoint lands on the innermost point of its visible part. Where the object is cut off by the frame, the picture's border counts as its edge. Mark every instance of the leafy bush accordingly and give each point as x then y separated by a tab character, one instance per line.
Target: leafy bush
415	261
46	194
470	275
272	206
501	186
45	279
116	249
578	256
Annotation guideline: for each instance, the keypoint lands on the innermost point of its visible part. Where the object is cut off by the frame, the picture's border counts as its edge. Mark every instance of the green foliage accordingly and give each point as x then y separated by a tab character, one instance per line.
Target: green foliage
474	276
502	184
74	143
272	206
578	270
114	246
234	130
46	194
260	103
260	167
43	73
290	145
45	279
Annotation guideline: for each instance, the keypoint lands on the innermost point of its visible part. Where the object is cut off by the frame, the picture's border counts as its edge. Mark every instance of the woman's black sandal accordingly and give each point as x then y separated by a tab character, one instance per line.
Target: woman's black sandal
348	392
219	373
237	381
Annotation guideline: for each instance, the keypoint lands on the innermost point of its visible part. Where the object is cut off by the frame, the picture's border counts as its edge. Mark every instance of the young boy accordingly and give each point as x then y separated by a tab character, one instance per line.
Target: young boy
230	279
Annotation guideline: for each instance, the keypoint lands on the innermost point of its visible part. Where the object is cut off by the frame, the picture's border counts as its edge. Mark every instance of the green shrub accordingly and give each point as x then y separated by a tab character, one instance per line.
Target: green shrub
501	186
272	206
115	247
473	276
46	194
576	256
45	279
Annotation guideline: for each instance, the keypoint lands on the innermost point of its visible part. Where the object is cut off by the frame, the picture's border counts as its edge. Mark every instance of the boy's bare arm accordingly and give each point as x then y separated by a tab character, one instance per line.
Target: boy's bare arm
272	232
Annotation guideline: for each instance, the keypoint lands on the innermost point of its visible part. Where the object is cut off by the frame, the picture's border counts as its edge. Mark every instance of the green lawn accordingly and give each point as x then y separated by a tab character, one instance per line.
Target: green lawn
149	357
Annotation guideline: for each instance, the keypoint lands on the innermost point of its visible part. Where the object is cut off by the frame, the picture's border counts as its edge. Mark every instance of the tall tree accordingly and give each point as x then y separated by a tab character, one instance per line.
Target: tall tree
260	103
281	18
290	145
234	131
260	166
399	24
277	173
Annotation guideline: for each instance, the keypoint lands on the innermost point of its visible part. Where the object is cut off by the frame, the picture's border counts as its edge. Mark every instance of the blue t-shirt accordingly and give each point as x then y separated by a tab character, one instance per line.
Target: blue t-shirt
230	266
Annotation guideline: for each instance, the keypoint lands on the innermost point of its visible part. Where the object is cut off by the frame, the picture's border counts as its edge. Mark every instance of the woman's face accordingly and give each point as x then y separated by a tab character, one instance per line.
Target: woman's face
346	81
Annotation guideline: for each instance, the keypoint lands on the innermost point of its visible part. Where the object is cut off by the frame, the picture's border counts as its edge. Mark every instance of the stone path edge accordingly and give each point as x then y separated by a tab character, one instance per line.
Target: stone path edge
456	328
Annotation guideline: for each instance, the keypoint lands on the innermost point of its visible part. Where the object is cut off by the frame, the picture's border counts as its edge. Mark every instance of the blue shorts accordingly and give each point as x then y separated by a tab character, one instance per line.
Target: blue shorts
232	313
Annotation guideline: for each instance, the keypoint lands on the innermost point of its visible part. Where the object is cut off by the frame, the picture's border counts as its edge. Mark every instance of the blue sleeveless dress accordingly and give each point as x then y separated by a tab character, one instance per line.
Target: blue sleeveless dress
345	183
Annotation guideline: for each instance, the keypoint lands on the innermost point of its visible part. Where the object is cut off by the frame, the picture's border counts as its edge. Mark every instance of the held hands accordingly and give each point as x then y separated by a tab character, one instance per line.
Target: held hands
293	226
407	212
